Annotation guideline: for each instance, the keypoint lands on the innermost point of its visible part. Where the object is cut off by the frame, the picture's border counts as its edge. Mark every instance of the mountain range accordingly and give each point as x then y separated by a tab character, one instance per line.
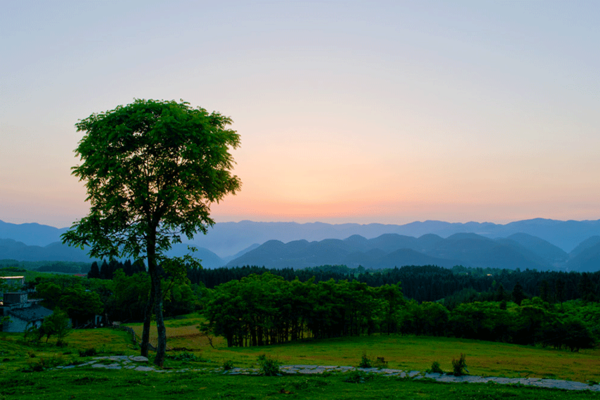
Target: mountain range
539	243
520	250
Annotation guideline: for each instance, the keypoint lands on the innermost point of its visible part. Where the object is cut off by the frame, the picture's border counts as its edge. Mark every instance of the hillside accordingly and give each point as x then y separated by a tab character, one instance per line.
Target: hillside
390	250
11	249
228	238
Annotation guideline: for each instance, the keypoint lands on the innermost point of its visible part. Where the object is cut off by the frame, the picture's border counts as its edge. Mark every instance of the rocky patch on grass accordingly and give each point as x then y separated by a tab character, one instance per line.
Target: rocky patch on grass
139	363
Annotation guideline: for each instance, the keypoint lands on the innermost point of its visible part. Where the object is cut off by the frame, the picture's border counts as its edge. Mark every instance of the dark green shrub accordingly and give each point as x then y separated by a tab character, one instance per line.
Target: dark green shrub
227	365
435	368
268	366
380	363
459	366
365	362
88	352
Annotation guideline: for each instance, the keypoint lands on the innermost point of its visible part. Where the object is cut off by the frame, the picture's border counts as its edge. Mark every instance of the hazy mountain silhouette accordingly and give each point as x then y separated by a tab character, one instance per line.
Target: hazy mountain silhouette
586	244
546	250
390	250
11	249
229	238
586	260
32	234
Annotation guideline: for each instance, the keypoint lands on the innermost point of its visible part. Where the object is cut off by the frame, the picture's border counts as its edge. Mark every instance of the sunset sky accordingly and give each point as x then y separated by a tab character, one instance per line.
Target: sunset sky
348	111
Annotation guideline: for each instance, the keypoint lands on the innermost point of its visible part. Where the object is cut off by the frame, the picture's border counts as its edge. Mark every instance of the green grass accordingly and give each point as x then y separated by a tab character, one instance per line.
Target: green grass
407	353
418	352
401	352
102	384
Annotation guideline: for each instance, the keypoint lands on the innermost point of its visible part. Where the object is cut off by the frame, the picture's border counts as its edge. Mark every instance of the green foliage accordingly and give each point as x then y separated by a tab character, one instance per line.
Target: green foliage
435	368
57	324
185	356
380	363
151	170
130	296
83	383
365	361
43	363
266	309
518	294
79	303
268	366
357	376
459	366
151	167
88	352
32	334
227	365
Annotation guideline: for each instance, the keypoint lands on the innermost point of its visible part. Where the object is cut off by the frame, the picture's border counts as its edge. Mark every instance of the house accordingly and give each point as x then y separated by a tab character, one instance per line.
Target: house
11	281
20	310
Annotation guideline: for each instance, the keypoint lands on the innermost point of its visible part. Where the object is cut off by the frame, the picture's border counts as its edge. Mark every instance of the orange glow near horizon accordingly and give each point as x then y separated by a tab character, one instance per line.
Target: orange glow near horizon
390	112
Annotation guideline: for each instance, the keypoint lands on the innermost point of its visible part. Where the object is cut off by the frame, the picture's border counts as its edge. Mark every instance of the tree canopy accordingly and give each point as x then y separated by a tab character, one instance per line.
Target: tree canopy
152	169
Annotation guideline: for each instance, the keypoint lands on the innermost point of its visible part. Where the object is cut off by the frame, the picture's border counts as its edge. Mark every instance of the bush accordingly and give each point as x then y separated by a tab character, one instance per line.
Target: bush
88	352
44	363
365	362
32	334
268	366
227	365
460	366
380	363
435	368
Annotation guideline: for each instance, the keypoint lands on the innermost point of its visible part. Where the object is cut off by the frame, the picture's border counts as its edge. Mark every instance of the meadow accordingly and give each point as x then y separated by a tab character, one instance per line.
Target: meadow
402	352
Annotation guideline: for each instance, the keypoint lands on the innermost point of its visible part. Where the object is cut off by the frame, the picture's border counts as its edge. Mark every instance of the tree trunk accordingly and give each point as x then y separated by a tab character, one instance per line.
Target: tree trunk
161	347
147	320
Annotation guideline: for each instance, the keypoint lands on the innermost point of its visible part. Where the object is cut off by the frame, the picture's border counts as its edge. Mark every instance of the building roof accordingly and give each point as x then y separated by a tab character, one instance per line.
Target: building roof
30	314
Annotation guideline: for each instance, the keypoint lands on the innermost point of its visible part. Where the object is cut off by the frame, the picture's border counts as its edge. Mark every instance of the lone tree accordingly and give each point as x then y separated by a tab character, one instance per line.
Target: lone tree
152	169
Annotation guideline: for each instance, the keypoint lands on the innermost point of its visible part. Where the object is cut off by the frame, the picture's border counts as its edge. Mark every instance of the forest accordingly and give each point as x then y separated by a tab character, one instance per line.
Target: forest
253	306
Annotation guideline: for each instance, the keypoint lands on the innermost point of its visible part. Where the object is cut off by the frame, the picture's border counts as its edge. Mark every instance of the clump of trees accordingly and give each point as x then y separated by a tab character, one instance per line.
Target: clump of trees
122	298
107	269
57	324
266	309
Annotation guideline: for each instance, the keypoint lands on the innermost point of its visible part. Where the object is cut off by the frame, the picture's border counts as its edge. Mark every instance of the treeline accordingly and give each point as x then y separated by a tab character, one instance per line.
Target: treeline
430	283
68	267
107	269
267	309
119	298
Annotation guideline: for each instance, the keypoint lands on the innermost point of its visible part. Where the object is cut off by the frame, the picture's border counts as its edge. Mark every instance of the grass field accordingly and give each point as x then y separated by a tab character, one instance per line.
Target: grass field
104	384
408	353
401	352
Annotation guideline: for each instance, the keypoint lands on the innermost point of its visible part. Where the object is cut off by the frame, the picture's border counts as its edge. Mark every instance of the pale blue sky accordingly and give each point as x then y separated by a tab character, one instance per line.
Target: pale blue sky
349	111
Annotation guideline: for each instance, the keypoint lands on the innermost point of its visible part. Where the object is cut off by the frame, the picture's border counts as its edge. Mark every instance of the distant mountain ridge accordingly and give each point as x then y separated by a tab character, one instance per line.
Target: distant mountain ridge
547	241
31	234
227	238
13	250
392	250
